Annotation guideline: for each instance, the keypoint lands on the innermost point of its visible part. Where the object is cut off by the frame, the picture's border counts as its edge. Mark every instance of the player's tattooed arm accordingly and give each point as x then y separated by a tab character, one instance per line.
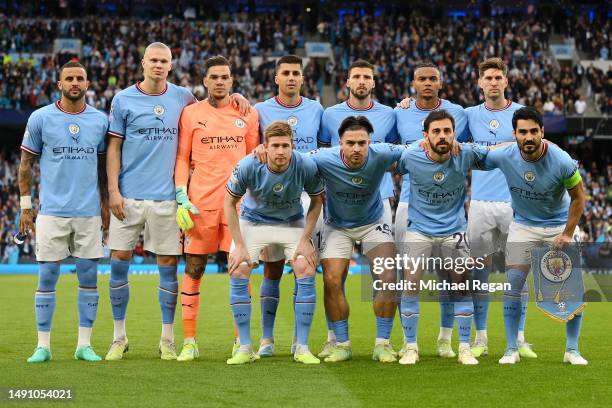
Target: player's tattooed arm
405	103
240	103
103	186
576	209
260	153
239	253
26	220
113	166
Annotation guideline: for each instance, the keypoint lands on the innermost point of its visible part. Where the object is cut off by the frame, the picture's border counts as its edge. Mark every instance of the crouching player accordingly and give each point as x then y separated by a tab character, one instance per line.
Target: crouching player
437	220
272	216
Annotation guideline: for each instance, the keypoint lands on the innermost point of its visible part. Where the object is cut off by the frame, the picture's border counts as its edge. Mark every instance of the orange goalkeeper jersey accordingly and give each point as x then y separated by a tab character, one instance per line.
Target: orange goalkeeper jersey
212	140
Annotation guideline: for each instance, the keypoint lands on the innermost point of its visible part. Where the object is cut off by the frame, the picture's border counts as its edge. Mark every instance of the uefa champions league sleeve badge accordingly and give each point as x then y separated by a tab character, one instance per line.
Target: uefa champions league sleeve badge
557	278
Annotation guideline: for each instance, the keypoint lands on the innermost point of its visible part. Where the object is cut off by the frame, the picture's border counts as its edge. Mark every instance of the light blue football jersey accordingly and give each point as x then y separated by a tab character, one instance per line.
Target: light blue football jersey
148	125
437	190
539	195
488	127
68	145
274	198
410	129
382	119
352	196
304	119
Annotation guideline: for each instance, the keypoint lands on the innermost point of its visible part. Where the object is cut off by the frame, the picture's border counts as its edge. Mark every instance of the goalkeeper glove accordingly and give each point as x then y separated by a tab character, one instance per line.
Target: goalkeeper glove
183	219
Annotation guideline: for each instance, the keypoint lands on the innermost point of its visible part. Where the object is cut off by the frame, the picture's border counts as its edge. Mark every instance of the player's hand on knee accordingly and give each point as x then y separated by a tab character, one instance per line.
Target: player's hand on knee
116	204
26	221
260	153
238	256
305	249
405	103
240	103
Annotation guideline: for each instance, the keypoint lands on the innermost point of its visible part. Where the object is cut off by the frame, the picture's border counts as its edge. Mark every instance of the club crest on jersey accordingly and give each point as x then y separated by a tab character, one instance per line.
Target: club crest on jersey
239	123
529	177
292	121
357	180
556	266
278	187
74	130
494	124
438	177
159	110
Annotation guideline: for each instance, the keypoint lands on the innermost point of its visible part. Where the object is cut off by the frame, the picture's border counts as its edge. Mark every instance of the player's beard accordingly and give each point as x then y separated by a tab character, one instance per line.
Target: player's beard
532	144
73	98
361	97
440	149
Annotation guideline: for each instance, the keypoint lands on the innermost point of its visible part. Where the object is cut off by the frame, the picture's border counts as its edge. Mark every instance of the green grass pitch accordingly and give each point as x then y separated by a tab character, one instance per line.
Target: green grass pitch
142	379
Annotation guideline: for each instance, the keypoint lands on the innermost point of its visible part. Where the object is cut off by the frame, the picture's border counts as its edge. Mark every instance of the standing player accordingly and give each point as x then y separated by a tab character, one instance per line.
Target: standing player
360	82
437	220
304	117
213	138
490	212
141	154
272	216
410	116
69	136
540	175
352	174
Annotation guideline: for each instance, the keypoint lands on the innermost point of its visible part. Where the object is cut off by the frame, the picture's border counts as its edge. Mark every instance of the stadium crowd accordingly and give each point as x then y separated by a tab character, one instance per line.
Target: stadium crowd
112	49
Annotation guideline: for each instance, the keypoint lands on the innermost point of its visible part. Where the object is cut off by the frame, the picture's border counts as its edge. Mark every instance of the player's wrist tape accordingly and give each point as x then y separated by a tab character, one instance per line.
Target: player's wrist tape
25	202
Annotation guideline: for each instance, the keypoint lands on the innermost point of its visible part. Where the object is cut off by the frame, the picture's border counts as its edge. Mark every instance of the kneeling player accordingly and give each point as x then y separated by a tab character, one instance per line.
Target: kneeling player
272	216
437	184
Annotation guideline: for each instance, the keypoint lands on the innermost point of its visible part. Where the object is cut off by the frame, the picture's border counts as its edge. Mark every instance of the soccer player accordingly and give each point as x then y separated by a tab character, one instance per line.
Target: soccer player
360	82
437	221
304	117
140	165
213	138
352	174
410	115
272	215
70	138
490	212
548	200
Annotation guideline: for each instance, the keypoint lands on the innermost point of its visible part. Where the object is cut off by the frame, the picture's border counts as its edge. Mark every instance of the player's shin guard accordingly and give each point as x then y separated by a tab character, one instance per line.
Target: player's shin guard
464	312
572	332
190	302
341	330
269	295
44	299
447	310
330	324
118	288
481	298
409	315
512	306
88	297
305	303
524	303
168	293
240	303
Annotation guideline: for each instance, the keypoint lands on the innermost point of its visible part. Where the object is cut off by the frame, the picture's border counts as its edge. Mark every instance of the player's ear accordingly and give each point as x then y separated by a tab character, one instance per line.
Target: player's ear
59	85
514	134
276	79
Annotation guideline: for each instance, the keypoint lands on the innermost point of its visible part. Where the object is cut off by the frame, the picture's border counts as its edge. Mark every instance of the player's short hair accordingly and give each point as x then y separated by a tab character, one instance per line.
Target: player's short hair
438	115
277	129
355	123
360	63
527	113
424	64
158	45
492	63
217	60
72	64
288	59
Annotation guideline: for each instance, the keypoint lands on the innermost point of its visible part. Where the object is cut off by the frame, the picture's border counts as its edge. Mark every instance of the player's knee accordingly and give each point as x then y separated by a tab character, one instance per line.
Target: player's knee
302	269
241	272
332	282
118	255
87	272
195	265
167	260
274	270
48	274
